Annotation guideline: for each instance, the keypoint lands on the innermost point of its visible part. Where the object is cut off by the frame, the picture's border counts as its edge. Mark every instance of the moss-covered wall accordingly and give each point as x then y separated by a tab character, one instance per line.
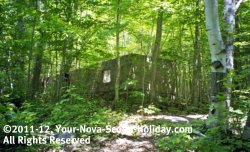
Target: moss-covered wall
135	74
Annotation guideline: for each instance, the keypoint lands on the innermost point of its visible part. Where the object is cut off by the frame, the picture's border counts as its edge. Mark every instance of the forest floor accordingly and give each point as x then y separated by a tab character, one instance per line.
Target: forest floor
132	139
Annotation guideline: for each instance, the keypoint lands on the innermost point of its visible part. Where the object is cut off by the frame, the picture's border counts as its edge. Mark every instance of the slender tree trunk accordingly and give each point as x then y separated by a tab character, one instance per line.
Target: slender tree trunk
155	56
35	82
20	33
60	79
143	79
117	81
57	75
196	60
246	132
9	71
64	77
35	85
229	17
217	116
30	56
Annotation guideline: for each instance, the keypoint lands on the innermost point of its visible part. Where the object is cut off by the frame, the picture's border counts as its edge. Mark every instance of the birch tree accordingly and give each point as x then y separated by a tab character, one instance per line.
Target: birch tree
222	58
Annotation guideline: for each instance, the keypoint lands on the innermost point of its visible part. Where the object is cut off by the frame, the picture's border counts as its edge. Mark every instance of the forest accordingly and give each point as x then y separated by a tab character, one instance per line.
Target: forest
125	75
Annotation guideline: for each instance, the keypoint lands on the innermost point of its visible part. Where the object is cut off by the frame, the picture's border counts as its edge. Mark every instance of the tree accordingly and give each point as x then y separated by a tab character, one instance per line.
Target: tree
155	55
37	70
222	58
117	80
196	60
246	132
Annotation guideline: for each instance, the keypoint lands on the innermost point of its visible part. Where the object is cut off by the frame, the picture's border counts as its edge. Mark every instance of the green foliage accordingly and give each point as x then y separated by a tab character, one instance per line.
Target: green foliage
136	94
7	113
176	143
151	109
217	141
214	140
128	84
12	115
27	115
69	35
120	105
82	111
237	116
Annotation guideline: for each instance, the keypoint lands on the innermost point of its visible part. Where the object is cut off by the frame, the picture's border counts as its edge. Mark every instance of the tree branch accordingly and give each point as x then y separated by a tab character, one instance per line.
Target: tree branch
237	5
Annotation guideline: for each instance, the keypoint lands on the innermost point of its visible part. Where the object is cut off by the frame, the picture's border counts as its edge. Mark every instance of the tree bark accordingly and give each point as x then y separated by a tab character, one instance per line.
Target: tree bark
20	32
35	84
229	17
60	78
117	81
222	55
155	56
195	91
217	116
30	56
246	132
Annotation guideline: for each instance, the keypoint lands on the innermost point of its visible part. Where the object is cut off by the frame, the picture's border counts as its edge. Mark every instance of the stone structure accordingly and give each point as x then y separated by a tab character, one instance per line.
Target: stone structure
99	80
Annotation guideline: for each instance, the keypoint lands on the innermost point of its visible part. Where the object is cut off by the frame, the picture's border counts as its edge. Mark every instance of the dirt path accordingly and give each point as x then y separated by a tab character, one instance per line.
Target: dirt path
131	139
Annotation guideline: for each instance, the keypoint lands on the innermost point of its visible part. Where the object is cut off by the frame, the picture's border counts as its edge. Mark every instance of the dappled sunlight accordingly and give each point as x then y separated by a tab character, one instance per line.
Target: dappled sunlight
169	118
197	116
130	124
124	144
124	75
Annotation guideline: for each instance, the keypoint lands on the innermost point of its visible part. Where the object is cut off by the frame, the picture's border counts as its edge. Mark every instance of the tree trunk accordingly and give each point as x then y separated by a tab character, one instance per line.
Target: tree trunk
35	84
117	81
20	32
246	132
143	78
229	17
30	56
195	91
60	79
222	56
217	116
57	75
155	56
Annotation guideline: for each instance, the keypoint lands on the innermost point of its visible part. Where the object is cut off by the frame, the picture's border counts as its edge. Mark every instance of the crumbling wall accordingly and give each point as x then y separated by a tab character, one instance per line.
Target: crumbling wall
99	80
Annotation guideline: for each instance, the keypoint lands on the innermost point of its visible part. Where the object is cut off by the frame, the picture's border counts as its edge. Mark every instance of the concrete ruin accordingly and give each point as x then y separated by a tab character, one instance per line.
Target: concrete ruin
99	80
